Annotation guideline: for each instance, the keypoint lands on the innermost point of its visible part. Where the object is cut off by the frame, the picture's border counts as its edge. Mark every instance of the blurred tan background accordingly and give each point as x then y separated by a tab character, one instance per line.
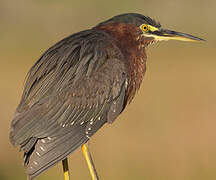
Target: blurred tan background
168	131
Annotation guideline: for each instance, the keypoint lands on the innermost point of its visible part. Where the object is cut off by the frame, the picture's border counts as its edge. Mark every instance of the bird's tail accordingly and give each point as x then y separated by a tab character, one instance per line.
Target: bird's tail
50	150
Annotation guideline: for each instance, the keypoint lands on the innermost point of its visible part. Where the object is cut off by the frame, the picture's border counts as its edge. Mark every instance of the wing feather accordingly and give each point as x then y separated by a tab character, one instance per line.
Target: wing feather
71	91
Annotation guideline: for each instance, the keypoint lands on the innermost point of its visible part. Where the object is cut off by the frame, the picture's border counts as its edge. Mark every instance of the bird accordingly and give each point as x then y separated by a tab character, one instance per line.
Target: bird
79	84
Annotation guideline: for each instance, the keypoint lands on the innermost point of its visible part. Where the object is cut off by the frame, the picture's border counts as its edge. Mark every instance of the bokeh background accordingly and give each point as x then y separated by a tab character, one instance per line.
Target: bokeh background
168	131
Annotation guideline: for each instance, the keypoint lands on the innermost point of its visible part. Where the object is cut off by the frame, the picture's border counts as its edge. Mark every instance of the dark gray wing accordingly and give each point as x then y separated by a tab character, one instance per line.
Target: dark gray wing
74	88
86	100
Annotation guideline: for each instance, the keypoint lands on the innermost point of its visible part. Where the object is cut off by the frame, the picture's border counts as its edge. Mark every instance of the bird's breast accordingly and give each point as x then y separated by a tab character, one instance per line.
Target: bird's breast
136	68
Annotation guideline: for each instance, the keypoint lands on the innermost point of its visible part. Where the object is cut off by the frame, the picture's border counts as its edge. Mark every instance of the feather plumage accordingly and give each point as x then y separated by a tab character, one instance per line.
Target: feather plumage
67	97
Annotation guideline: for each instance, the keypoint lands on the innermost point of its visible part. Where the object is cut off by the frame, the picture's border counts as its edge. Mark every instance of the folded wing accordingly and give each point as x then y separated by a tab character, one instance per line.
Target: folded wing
71	91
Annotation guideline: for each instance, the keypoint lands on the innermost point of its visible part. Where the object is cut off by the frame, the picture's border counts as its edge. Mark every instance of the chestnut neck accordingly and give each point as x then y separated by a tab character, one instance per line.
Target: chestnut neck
132	46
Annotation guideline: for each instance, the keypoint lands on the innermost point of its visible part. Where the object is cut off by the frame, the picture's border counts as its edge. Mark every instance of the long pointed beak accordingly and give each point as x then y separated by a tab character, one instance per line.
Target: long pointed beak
164	34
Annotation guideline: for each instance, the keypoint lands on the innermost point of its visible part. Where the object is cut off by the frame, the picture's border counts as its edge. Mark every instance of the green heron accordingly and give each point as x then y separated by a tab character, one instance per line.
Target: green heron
78	85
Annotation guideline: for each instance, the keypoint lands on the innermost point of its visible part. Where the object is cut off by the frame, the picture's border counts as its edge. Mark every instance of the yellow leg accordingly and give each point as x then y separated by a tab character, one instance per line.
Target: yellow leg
65	169
89	161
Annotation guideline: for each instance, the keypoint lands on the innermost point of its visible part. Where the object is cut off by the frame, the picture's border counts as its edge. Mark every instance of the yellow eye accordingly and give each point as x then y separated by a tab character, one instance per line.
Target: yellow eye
144	27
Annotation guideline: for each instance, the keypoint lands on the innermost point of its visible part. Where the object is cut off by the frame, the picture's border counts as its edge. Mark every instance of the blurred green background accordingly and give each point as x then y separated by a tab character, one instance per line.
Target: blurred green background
168	131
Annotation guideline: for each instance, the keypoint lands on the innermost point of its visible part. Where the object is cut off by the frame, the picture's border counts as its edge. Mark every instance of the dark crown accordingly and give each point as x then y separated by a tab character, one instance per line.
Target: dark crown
132	18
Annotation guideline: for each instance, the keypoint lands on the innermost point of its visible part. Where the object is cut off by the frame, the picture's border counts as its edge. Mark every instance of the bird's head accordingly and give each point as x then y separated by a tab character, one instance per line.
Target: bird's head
148	28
